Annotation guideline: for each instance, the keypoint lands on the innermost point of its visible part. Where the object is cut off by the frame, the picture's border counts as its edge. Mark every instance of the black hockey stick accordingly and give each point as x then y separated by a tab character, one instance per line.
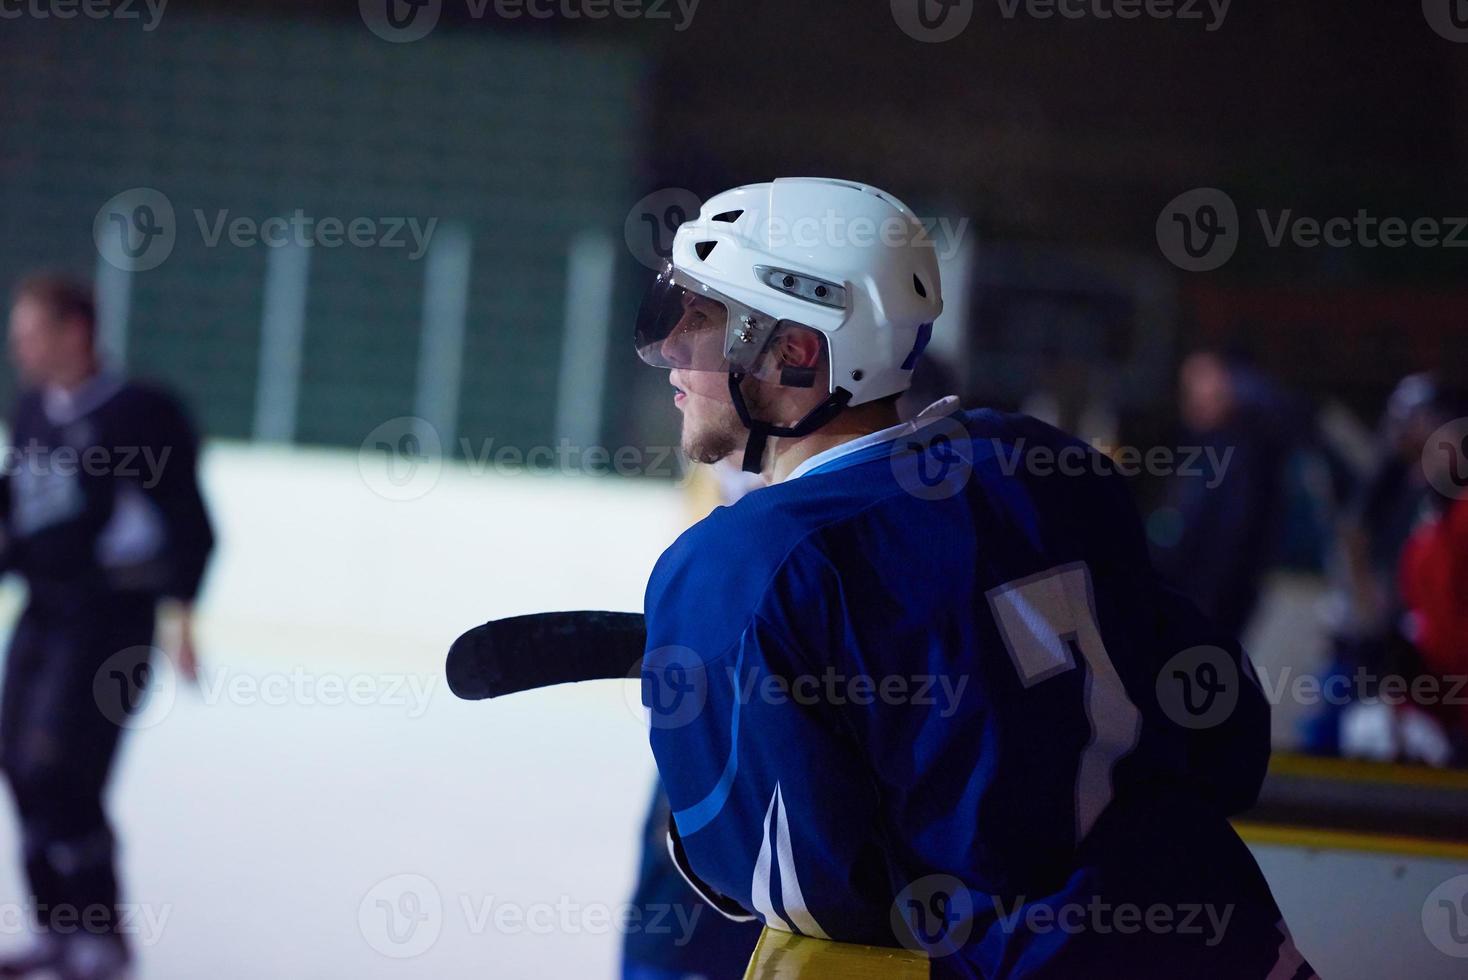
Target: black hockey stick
525	652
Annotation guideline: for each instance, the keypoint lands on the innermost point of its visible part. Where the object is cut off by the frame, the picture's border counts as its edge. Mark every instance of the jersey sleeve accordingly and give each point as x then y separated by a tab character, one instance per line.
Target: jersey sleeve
773	812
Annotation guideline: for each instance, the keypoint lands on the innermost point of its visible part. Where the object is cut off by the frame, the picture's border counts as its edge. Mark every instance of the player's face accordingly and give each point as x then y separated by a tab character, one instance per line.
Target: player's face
711	427
37	341
1207	392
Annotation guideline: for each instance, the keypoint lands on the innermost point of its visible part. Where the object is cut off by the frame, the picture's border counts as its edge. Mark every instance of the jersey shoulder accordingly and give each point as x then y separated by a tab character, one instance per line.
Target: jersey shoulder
758	557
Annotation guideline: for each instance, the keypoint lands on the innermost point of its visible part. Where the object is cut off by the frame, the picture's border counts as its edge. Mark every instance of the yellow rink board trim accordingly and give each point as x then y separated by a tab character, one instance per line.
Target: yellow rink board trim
786	956
1278	835
1359	771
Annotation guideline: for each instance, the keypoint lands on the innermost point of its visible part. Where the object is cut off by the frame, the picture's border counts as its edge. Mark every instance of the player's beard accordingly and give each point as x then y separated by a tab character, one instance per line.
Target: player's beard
715	431
715	434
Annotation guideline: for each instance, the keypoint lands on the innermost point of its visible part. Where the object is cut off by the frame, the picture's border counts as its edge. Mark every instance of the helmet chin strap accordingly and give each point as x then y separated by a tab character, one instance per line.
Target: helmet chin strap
760	432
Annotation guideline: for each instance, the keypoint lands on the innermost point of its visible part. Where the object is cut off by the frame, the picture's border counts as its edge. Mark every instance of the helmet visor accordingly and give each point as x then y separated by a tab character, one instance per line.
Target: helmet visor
685	325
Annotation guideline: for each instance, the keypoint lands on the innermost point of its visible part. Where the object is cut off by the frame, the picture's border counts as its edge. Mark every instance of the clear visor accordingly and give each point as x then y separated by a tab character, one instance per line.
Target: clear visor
687	326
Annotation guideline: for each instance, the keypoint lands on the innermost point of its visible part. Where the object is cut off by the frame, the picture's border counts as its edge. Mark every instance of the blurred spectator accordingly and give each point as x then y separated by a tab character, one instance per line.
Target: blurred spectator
102	516
1435	593
1223	527
1432	599
1365	615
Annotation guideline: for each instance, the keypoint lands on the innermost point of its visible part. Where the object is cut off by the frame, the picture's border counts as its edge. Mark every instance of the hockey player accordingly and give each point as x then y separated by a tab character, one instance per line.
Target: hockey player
925	688
102	516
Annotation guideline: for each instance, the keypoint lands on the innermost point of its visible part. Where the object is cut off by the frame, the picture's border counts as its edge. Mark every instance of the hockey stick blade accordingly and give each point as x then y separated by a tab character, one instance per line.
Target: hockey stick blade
522	653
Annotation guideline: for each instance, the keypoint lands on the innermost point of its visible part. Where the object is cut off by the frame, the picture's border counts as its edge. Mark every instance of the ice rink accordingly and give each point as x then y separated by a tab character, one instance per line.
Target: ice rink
323	807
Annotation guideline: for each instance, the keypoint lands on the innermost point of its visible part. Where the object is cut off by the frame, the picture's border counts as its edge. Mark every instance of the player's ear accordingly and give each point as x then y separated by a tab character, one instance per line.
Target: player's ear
799	347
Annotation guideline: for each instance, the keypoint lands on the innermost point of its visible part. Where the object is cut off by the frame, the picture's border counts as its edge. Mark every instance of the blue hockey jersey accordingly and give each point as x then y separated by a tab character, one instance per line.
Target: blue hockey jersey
930	692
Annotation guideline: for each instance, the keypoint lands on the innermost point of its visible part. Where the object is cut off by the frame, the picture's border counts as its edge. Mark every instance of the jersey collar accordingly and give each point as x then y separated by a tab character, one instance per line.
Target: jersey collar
62	407
942	408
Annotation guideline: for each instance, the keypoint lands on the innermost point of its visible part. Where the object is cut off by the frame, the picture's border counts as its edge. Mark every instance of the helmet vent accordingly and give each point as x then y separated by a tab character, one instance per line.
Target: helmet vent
918	285
703	249
728	216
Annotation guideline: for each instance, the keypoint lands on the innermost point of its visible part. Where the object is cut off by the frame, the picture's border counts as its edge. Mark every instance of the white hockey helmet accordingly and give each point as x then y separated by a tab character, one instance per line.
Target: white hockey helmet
846	260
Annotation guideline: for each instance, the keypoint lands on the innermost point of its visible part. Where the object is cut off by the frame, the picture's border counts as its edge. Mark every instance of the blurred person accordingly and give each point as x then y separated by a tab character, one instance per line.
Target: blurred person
1422	601
1227	524
1366	610
1051	779
1434	590
102	516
